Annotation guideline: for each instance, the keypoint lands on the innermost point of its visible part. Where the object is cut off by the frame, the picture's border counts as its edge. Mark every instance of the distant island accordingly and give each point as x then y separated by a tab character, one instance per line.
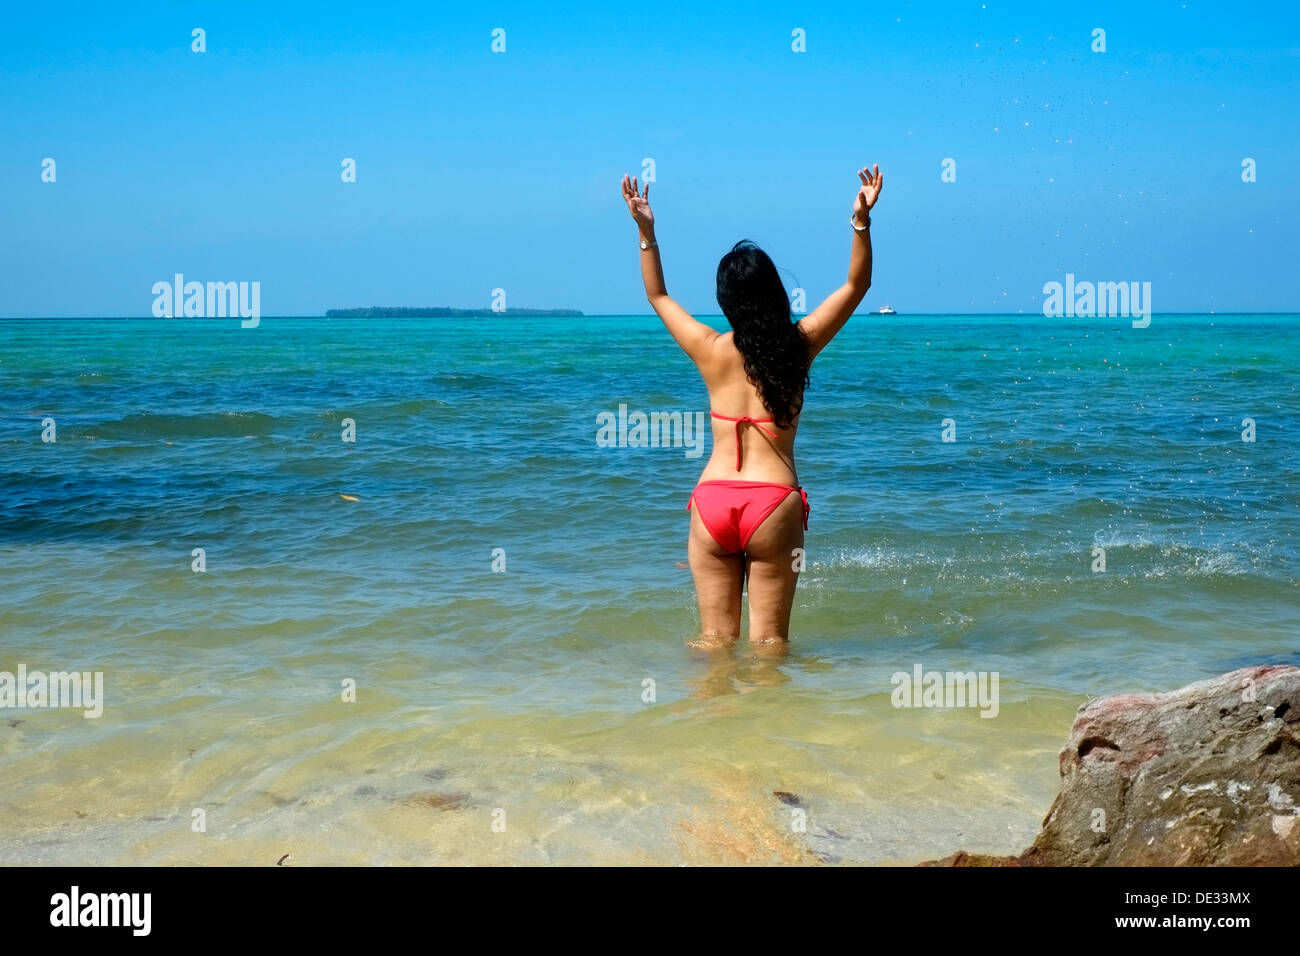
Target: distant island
441	312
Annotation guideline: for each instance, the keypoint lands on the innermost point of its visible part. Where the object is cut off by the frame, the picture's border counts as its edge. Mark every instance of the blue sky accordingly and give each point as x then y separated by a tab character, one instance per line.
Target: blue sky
478	170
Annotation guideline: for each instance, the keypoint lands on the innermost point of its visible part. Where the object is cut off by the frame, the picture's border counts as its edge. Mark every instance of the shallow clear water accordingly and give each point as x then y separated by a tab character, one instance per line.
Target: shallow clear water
522	691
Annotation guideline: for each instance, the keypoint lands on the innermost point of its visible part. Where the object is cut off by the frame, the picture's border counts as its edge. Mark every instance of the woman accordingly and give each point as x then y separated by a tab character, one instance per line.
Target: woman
749	513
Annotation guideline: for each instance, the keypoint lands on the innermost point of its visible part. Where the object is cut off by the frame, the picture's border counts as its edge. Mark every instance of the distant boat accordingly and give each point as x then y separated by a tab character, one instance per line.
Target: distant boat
886	310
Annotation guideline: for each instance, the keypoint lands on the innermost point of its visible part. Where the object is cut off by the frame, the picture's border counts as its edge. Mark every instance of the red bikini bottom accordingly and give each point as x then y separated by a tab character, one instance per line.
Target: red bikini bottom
733	510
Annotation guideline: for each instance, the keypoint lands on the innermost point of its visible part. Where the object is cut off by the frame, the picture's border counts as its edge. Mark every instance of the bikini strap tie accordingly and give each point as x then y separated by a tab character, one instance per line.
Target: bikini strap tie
745	419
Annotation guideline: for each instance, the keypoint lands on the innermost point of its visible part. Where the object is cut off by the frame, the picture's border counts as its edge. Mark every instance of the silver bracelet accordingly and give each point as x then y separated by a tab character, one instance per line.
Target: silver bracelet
854	224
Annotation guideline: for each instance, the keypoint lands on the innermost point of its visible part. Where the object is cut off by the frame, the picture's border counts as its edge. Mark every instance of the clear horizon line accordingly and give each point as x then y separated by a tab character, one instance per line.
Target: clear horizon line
594	315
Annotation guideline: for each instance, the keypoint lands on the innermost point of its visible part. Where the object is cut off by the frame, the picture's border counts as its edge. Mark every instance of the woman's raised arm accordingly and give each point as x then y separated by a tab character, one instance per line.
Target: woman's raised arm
821	324
694	337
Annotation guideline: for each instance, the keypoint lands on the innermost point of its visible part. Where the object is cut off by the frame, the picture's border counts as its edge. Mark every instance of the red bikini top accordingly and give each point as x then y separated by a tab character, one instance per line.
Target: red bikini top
741	421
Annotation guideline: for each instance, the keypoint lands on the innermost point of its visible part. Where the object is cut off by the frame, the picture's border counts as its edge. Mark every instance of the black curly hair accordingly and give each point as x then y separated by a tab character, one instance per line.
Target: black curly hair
776	351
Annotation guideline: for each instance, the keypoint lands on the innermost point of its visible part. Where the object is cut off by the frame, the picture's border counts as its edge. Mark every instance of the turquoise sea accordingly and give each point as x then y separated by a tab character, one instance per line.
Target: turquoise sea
552	711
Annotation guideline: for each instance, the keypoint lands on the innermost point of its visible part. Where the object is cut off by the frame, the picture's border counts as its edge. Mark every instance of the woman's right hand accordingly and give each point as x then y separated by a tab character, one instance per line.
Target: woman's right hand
868	194
639	205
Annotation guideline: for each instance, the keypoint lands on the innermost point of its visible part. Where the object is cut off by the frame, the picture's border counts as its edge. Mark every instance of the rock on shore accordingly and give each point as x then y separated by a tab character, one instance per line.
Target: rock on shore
1208	775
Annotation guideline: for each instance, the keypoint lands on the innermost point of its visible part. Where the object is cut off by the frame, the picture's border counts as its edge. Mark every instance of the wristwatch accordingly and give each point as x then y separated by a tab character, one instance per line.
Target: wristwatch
853	221
646	245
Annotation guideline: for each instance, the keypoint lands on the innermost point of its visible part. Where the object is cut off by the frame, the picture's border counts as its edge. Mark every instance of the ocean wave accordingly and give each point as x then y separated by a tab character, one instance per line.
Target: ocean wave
1061	563
152	426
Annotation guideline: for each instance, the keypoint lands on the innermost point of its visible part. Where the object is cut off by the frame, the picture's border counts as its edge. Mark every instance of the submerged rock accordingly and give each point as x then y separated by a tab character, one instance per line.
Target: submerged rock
439	801
962	858
1208	775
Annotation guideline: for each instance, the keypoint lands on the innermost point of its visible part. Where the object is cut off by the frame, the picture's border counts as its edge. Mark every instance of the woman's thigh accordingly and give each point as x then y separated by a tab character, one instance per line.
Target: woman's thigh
772	574
718	580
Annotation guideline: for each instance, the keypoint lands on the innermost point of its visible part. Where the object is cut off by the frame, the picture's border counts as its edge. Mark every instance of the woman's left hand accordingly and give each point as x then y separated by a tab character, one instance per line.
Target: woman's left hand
639	204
